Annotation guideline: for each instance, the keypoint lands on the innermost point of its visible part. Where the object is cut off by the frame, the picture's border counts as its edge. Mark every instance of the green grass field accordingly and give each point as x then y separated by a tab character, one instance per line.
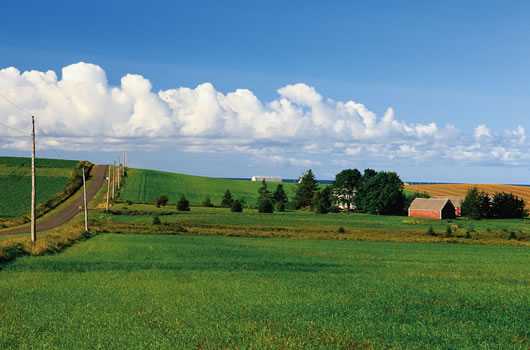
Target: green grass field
304	224
15	182
145	185
148	291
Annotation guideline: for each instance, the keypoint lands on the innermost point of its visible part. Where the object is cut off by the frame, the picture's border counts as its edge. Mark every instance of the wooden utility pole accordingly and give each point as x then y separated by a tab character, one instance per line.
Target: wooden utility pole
33	189
108	191
124	163
119	164
86	209
113	177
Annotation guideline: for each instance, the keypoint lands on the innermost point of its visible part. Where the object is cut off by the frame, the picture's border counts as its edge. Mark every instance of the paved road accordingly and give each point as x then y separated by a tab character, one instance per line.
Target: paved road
70	211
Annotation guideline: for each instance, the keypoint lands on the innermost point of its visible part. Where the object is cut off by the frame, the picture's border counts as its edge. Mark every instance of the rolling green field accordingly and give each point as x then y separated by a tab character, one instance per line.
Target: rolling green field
305	224
148	291
15	182
145	185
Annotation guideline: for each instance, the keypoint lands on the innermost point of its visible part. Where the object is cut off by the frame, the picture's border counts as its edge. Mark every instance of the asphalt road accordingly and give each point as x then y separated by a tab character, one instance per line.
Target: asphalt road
70	211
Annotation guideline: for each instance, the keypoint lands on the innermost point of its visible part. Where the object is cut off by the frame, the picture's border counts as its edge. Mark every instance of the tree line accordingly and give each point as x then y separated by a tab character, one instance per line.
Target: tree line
480	205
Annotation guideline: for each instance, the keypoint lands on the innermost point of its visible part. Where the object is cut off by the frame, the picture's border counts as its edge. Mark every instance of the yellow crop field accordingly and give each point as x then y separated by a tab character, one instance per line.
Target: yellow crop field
450	190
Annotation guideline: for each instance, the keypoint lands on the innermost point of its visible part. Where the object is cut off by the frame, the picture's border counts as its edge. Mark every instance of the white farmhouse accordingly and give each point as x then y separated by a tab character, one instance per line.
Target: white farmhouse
267	178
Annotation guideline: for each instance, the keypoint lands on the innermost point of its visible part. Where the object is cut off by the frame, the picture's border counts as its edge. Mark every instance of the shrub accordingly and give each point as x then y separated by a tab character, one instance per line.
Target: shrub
156	220
183	204
430	231
129	202
512	235
161	201
448	231
468	234
237	206
207	202
334	209
341	230
265	206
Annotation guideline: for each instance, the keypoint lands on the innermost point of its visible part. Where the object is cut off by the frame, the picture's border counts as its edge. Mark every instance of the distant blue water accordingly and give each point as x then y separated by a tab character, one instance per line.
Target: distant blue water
323	182
326	182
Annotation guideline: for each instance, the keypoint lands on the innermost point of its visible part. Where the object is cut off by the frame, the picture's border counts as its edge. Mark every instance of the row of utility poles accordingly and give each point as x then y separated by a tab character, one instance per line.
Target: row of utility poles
115	173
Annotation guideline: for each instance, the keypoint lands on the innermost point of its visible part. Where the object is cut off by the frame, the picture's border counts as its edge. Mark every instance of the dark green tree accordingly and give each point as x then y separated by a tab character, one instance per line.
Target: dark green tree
227	199
363	189
507	206
237	206
305	189
322	201
265	203
279	195
161	201
381	193
207	202
344	187
183	204
476	204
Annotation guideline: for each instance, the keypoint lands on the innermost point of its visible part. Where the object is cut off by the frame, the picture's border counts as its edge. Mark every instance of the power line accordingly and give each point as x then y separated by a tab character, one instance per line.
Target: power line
20	131
14	104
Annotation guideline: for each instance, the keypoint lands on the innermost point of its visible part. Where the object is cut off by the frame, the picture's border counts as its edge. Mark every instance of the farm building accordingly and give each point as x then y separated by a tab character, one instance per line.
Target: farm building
267	178
457	202
432	208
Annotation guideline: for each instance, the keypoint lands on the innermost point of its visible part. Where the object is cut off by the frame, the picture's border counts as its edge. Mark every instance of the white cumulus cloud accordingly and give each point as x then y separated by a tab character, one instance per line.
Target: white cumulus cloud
82	111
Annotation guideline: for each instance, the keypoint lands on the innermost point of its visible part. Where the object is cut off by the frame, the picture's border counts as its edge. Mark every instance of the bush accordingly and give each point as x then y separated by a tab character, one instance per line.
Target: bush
334	209
183	204
156	220
237	206
265	206
207	202
341	230
468	234
129	202
512	236
430	231
448	231
161	201
279	206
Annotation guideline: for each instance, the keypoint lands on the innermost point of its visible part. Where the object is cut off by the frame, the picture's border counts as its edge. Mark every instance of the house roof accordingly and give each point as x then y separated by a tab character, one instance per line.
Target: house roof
267	178
429	203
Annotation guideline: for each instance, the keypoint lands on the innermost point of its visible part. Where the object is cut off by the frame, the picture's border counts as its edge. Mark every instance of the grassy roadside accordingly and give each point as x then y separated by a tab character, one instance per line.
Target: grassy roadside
55	240
48	208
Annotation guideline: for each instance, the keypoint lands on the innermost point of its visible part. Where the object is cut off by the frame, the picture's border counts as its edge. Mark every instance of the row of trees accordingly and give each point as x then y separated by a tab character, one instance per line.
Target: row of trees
478	204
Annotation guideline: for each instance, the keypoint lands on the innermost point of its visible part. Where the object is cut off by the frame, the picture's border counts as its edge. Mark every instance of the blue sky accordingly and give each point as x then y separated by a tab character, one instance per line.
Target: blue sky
462	64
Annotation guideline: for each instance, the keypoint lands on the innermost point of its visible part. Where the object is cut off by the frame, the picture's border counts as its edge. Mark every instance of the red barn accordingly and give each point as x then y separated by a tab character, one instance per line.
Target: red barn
457	202
432	208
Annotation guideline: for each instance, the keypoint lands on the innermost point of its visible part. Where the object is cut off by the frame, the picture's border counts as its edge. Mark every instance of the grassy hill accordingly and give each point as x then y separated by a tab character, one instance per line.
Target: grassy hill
15	182
461	190
145	185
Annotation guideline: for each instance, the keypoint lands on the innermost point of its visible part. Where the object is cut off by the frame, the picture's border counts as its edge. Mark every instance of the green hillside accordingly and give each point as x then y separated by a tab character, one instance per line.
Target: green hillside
145	185
15	182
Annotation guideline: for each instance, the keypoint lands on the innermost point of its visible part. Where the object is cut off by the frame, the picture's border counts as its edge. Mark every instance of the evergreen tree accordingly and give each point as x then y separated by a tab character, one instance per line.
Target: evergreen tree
227	199
506	206
183	204
207	202
322	201
265	204
476	204
279	195
237	206
305	189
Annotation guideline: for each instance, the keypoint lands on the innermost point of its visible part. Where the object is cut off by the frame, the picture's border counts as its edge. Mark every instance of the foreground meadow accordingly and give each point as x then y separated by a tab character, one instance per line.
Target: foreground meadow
151	291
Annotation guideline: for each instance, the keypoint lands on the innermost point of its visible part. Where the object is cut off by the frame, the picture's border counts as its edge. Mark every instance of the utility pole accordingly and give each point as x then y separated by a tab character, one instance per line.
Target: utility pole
33	190
119	164
124	163
86	209
108	191
113	177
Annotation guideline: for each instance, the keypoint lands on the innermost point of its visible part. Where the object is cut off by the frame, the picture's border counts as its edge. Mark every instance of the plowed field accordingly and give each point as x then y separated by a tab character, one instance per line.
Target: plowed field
461	190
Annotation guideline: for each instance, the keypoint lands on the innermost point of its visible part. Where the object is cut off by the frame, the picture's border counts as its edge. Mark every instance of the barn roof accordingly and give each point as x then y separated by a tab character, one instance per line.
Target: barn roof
428	203
457	201
267	178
